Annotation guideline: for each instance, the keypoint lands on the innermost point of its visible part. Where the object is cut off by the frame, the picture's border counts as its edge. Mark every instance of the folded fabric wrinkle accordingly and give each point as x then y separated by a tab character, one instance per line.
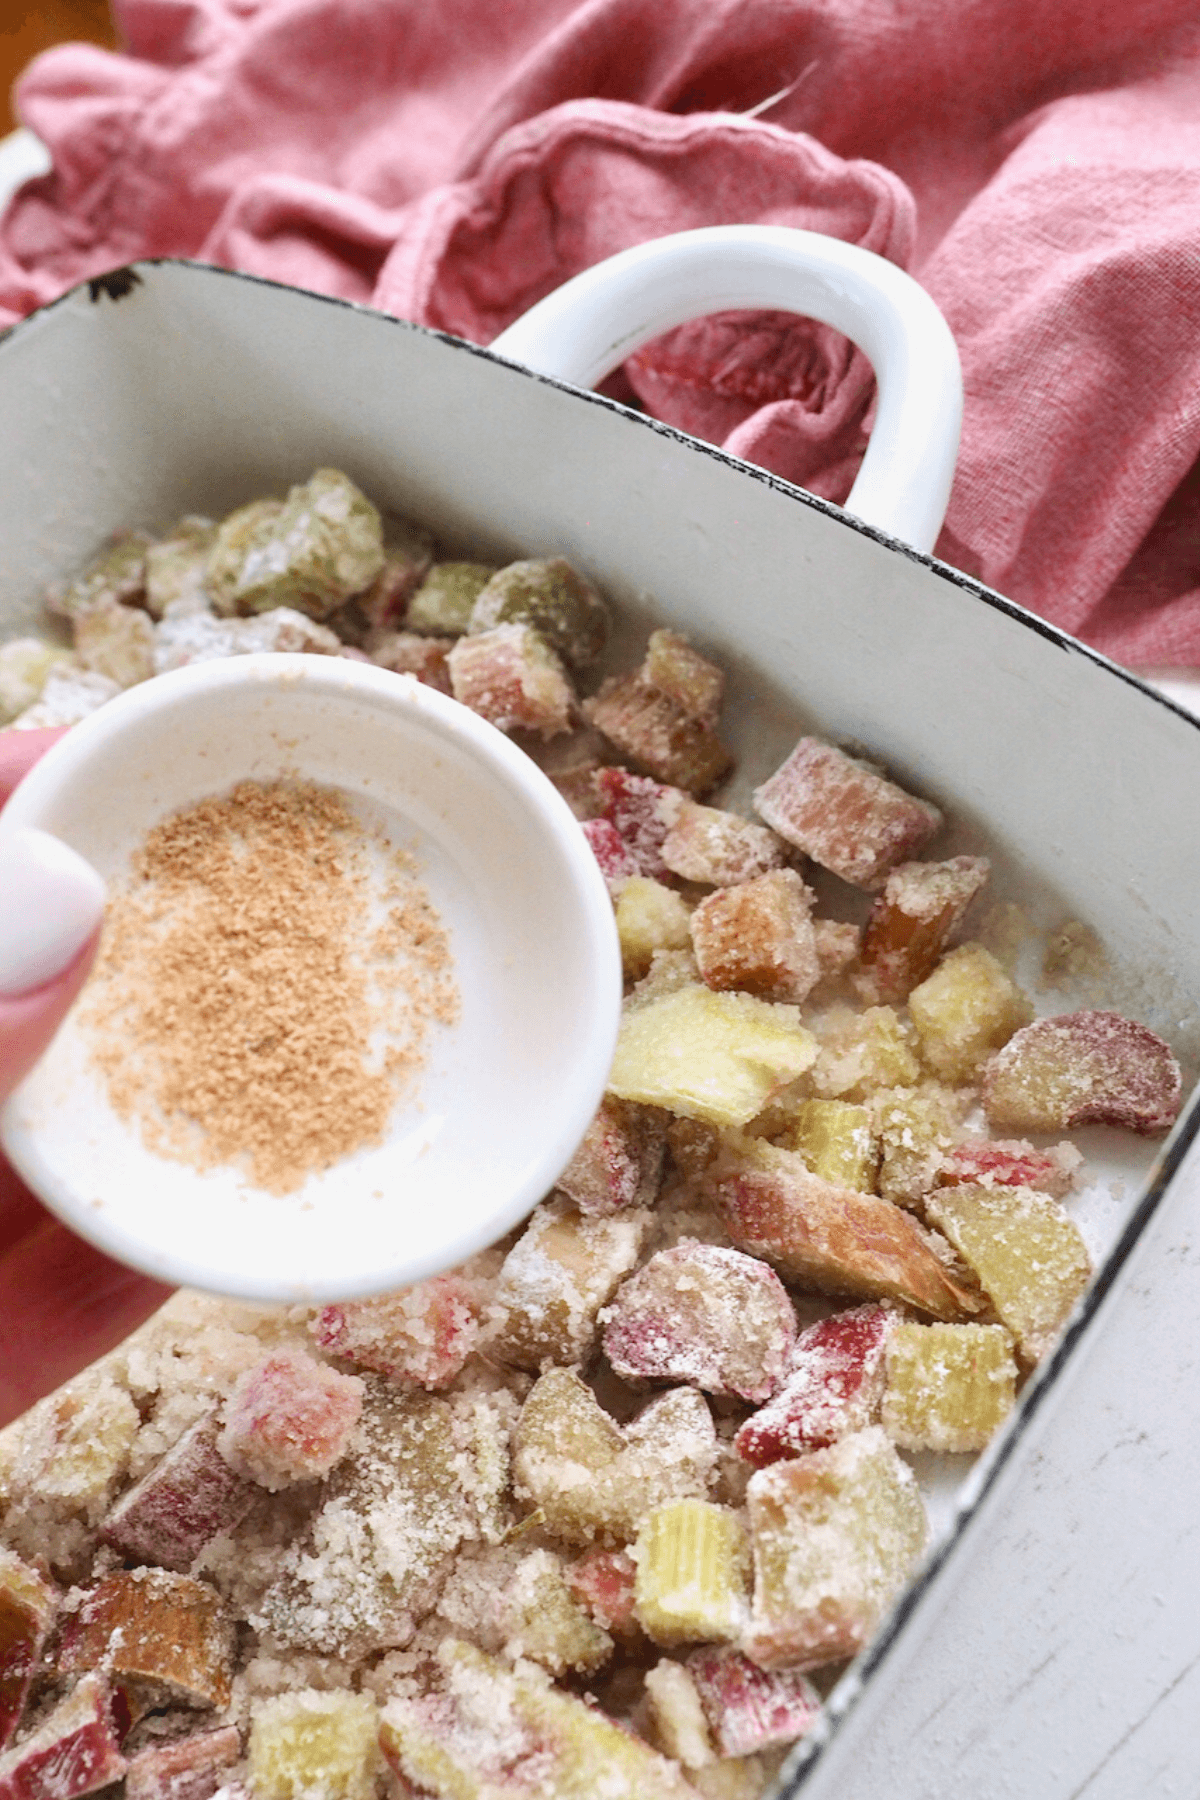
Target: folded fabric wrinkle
1037	170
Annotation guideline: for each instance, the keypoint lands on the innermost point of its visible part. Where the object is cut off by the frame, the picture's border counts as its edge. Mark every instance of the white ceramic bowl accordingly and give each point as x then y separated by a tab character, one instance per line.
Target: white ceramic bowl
508	1091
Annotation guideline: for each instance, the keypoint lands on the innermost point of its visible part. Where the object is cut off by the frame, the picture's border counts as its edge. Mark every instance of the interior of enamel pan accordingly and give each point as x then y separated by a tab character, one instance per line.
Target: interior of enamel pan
197	390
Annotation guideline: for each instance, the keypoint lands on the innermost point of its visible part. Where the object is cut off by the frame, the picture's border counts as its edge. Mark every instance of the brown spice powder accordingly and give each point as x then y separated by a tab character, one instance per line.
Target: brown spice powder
248	1006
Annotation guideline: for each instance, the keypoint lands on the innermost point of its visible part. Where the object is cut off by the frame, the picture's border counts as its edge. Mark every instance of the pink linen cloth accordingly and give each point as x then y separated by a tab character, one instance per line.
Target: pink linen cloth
1035	165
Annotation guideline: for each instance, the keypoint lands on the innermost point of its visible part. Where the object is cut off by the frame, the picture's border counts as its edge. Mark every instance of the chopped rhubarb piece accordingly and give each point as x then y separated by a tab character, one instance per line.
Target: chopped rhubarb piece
980	1162
289	1419
407	558
836	1141
188	1498
314	1743
117	641
1084	1068
556	1278
719	848
1028	1254
834	1386
861	1052
27	1606
603	1582
151	1629
692	1568
921	907
323	544
651	918
74	1751
545	1621
837	946
948	1386
551	597
675	1716
713	1318
405	653
708	1056
966	1009
843	814
916	1128
512	678
189	1768
657	735
419	1337
758	938
642	812
611	851
835	1535
619	1163
834	1239
679	671
749	1708
442	604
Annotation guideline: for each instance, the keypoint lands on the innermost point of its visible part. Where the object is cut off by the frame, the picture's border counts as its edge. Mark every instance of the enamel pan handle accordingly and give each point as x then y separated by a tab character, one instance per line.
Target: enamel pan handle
587	328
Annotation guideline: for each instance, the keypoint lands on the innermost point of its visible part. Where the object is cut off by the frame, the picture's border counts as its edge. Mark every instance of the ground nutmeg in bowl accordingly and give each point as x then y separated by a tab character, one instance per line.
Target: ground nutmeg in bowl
267	983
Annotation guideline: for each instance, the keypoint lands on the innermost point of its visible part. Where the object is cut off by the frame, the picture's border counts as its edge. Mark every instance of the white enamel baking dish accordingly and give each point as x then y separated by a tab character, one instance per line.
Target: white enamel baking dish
1042	1630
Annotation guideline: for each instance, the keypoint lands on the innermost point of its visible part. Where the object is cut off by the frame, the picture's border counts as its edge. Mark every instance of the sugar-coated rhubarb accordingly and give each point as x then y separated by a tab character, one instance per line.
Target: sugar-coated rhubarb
1028	1254
25	664
595	1481
407	653
916	1129
619	1163
407	558
861	1052
758	938
551	597
657	736
314	1746
948	1386
611	852
836	1240
323	544
642	812
650	918
556	1278
442	604
837	946
68	695
835	1535
27	1608
513	679
419	1337
1084	1068
911	923
117	641
711	1317
154	1630
749	1708
692	1564
188	1498
175	565
709	1056
675	1717
187	1768
603	1582
833	1387
966	1009
76	1442
982	1162
73	1751
836	1141
677	669
116	574
289	1419
843	814
719	849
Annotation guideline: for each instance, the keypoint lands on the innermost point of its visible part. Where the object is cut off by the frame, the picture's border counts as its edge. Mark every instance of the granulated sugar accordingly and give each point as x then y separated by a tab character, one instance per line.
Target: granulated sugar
267	983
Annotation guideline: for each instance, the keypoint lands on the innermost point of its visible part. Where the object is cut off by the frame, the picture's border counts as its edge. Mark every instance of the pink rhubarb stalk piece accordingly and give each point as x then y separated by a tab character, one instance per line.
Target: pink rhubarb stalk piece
713	1318
419	1338
1084	1068
619	1163
843	814
616	859
984	1162
641	812
163	1638
27	1608
603	1583
188	1498
750	1709
74	1751
189	1768
921	907
834	1385
289	1419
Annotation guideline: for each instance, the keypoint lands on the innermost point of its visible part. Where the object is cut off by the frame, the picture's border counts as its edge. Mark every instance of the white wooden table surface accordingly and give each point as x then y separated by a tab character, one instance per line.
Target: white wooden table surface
1058	1655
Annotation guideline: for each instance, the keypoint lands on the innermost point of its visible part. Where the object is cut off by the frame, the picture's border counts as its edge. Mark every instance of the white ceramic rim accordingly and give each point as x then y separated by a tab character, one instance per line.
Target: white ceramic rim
148	705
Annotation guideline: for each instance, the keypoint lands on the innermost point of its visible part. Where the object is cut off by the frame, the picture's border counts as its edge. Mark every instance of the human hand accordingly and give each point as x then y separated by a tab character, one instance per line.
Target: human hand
62	1303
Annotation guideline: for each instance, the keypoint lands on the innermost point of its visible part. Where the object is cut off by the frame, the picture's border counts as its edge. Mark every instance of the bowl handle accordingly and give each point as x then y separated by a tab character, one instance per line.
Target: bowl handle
587	328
